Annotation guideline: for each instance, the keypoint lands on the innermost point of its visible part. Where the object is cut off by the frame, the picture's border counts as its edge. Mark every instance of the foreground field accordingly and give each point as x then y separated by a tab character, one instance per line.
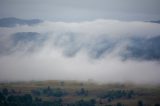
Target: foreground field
74	93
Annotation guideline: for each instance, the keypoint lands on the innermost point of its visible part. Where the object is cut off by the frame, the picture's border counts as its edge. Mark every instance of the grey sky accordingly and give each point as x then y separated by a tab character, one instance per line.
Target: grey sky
78	10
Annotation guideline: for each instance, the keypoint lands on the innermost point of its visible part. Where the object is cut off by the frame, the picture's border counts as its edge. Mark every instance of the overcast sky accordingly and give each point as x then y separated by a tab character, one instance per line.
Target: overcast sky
80	10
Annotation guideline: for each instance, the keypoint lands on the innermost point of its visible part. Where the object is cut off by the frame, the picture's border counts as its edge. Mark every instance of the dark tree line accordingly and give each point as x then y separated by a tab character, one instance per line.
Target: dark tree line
57	92
82	92
116	94
9	98
13	98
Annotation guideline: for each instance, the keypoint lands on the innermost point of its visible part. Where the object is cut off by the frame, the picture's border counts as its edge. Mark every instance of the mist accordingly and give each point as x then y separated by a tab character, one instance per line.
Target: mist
103	50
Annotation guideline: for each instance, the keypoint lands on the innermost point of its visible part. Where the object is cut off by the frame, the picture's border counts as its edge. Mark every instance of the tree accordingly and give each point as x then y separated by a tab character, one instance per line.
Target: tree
157	104
93	101
2	98
62	83
140	103
38	99
28	98
36	92
82	92
48	88
130	94
119	104
5	91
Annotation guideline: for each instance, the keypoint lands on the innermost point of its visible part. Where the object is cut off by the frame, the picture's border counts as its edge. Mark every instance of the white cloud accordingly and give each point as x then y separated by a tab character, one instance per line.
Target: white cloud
48	61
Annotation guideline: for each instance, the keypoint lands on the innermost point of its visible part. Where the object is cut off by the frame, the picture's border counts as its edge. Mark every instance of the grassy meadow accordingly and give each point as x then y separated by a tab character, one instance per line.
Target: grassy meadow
75	93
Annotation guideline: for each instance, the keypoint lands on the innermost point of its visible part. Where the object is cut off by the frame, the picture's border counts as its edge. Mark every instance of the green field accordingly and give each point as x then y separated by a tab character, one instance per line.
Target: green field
74	93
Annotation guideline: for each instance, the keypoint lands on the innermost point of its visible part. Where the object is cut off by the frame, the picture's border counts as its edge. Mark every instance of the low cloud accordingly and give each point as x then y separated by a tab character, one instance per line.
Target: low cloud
103	50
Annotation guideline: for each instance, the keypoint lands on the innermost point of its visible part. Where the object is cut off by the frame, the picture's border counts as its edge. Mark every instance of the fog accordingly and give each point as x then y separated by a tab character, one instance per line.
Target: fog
103	50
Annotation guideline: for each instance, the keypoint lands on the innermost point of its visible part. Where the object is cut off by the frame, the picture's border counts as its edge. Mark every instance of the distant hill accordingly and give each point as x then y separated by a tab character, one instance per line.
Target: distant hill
144	48
12	22
157	21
